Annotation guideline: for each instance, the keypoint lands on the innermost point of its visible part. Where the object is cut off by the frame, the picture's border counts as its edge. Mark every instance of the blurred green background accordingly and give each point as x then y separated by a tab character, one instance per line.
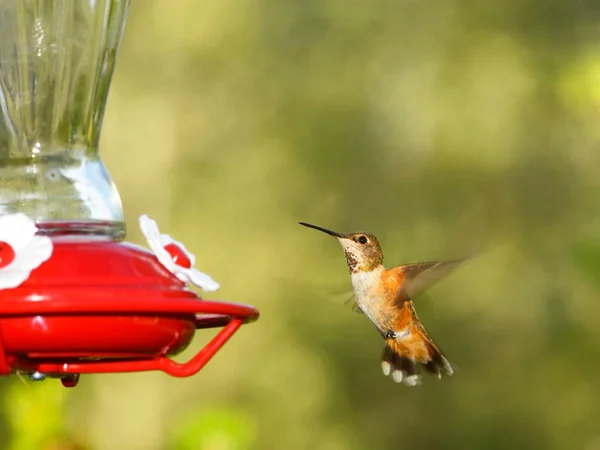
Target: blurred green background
441	127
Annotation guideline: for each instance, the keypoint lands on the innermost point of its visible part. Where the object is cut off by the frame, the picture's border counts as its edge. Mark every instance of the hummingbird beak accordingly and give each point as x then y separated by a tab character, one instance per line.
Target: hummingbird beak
324	230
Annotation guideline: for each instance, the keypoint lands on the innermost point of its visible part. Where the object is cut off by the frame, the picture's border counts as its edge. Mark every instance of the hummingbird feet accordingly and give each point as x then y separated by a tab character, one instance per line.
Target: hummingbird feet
395	334
388	334
401	334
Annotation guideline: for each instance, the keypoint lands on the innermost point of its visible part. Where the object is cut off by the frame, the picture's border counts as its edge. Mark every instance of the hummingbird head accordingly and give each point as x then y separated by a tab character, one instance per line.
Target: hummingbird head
363	252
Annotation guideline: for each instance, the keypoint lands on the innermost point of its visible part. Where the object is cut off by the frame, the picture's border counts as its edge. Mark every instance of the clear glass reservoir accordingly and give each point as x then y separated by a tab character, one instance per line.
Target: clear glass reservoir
56	63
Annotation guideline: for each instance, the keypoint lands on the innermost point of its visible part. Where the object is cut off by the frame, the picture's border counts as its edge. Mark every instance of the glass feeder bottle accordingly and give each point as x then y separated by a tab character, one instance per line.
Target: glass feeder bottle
56	64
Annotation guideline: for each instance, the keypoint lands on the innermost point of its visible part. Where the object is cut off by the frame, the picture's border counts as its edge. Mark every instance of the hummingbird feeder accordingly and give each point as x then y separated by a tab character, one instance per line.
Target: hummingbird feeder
75	298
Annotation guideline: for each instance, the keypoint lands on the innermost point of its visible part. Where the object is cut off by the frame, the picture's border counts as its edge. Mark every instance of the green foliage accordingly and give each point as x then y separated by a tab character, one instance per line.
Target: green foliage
216	429
34	416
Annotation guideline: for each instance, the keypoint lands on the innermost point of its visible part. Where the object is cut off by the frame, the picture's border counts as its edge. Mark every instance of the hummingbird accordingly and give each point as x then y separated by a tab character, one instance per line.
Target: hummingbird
385	297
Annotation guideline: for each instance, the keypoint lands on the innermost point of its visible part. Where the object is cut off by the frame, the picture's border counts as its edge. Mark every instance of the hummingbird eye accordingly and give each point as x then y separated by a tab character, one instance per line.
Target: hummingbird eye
362	239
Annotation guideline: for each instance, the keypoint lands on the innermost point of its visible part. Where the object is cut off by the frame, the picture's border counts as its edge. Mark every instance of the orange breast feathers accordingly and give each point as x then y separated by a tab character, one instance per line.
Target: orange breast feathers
391	282
400	310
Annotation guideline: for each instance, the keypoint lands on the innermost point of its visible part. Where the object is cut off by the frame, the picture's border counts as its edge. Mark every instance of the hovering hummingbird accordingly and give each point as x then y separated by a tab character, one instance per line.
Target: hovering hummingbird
385	296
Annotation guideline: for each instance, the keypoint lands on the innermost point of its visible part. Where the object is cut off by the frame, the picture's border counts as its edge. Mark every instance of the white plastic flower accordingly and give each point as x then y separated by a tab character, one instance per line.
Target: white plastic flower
21	250
175	257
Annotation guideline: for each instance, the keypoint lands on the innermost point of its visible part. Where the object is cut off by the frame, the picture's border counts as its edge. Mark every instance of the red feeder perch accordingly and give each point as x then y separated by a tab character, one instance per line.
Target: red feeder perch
73	298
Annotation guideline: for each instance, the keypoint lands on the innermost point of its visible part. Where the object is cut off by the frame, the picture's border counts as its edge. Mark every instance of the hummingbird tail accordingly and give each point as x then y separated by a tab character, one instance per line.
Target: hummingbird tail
402	357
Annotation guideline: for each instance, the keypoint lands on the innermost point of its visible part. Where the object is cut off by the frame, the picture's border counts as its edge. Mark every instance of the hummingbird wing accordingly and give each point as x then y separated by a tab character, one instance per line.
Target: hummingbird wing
418	277
341	295
351	303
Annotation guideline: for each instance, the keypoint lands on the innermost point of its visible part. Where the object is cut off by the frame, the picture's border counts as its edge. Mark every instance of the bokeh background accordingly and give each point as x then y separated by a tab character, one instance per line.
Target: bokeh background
443	127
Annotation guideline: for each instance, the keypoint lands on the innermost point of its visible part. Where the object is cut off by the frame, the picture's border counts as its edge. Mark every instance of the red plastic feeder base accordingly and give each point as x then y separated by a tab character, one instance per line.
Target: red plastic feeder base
106	307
